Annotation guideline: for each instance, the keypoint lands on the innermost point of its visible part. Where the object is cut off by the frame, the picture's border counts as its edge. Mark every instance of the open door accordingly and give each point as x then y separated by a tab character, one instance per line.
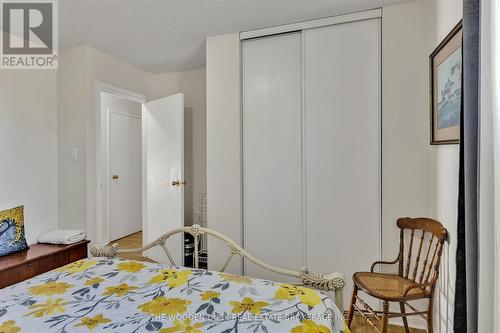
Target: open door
163	174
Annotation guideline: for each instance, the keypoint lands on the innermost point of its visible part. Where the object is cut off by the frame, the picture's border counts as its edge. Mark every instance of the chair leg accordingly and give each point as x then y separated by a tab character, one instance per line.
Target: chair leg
385	318
351	308
405	321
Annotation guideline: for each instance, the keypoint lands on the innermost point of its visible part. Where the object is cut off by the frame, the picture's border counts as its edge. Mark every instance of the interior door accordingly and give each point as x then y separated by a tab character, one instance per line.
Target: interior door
125	204
163	156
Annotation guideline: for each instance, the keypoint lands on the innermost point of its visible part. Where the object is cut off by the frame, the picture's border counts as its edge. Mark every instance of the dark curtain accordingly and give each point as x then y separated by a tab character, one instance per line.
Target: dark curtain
466	286
460	311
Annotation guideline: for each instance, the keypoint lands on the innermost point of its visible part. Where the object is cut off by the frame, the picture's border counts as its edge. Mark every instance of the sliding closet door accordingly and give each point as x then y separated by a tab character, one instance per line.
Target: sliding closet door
342	151
272	151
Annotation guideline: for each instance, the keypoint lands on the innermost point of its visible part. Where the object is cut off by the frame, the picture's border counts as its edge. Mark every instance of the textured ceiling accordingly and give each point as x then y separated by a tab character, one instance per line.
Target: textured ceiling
169	35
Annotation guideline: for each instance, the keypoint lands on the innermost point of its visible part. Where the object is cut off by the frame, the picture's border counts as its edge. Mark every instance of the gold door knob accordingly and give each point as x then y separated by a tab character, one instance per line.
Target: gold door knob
115	177
178	183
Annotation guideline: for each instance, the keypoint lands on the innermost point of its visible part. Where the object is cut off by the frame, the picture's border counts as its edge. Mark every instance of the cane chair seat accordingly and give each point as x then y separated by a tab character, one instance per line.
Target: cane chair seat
390	287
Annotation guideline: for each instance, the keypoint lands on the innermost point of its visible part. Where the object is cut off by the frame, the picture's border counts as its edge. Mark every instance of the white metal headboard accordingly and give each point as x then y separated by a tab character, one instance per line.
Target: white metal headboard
332	282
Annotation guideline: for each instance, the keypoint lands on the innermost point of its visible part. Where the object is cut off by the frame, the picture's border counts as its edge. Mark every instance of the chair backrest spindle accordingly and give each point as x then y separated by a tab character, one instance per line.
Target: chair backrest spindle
429	269
426	259
417	260
431	265
410	250
401	251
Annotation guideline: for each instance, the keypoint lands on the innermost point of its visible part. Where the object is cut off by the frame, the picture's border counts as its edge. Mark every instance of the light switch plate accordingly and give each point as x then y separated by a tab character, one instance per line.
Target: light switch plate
74	154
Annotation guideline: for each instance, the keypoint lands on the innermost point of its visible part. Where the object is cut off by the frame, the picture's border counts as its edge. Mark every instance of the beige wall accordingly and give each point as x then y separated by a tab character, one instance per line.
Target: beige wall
418	179
224	169
405	135
71	134
443	170
28	147
80	67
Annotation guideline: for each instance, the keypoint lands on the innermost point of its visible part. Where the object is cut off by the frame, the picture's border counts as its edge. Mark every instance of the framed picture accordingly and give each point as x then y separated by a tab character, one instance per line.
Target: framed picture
446	88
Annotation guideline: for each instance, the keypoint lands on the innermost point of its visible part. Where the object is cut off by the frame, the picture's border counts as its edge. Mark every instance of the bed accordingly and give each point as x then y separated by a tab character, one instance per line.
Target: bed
107	294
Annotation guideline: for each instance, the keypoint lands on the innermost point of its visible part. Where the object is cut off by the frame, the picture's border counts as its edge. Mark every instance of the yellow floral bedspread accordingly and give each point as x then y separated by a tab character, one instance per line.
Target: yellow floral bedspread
113	295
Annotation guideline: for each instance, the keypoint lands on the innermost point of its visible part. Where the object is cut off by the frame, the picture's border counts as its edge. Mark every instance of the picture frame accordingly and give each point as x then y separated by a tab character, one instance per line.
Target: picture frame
445	68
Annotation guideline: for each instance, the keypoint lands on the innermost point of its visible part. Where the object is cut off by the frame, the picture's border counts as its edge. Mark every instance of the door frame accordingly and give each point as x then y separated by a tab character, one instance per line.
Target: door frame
102	155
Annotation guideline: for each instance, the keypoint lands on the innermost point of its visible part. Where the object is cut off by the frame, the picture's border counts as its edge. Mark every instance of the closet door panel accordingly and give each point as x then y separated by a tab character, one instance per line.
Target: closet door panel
272	152
342	153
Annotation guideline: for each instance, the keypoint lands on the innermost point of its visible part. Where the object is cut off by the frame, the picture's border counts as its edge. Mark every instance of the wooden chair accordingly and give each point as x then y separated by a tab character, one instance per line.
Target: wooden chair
408	284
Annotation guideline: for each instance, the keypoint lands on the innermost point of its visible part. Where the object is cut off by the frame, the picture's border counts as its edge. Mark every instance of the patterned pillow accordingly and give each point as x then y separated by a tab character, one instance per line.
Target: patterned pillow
12	231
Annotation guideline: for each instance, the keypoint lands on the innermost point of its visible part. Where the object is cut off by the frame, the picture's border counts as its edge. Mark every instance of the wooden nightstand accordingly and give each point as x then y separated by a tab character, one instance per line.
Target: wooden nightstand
38	259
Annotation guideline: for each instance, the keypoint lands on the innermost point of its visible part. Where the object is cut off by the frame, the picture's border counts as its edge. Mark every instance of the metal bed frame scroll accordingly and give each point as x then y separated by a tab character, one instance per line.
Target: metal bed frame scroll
334	282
